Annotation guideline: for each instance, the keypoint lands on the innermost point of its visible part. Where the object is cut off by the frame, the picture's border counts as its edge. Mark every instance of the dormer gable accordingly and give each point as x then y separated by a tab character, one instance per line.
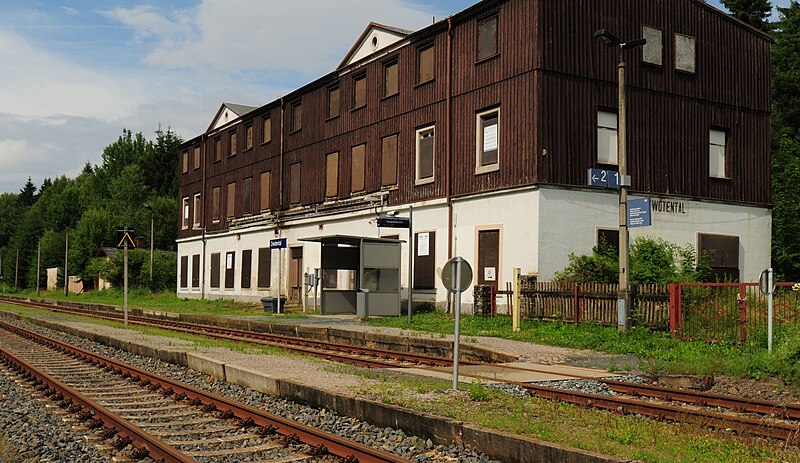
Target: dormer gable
375	37
229	112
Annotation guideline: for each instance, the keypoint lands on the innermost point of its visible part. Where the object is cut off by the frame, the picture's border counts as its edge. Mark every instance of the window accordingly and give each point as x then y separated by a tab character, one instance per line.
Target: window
196	271
716	154
185	216
230	258
217	149
266	130
425	66
247	196
296	114
608	241
390	84
197	210
684	53
248	137
389	160
653	50
215	204
294	183
488	141
184	271
185	162
230	210
425	154
487	38
359	91
606	137
334	106
215	270
357	155
722	254
332	175
265	186
232	138
424	260
247	267
264	264
196	157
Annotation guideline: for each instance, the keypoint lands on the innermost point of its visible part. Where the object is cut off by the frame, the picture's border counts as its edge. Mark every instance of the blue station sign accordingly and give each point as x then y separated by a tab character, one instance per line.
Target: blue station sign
277	243
639	213
394	222
603	178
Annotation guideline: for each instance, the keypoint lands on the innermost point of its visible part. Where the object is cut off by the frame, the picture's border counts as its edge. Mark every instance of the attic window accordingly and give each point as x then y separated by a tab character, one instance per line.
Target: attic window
374	42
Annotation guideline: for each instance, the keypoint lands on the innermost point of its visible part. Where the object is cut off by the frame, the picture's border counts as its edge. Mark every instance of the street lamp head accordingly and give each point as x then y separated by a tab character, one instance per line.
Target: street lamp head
634	43
607	38
148	207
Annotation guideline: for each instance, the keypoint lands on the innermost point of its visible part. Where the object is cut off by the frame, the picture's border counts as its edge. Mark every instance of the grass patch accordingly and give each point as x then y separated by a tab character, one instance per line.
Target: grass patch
8	453
657	351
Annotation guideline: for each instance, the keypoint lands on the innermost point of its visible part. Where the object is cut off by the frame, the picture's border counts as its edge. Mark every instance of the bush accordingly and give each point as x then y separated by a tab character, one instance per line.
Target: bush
164	269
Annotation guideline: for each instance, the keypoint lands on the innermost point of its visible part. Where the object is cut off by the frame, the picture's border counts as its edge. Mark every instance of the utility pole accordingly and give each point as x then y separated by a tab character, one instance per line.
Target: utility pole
38	265
125	276
66	262
152	235
16	272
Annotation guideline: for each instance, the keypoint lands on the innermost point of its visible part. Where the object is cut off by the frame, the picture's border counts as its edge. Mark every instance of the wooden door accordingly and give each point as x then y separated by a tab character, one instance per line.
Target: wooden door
296	273
488	257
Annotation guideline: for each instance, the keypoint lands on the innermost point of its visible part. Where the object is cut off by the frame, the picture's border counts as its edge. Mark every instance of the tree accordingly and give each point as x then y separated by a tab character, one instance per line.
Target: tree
27	195
753	12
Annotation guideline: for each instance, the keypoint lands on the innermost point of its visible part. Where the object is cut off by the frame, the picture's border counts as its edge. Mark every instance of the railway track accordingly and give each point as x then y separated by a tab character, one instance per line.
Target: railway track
757	417
153	416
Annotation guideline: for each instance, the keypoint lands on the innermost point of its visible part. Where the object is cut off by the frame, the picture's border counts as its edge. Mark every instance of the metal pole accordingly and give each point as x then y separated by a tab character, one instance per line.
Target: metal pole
66	262
125	277
278	310
38	265
770	279
410	259
16	272
624	296
305	290
516	304
152	245
456	336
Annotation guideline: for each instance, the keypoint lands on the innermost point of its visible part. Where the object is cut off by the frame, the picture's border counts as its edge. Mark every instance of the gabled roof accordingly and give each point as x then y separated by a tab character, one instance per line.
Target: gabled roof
374	37
229	112
107	251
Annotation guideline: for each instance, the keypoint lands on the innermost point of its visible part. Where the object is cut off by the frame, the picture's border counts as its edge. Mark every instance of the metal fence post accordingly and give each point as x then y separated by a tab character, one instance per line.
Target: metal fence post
742	300
674	303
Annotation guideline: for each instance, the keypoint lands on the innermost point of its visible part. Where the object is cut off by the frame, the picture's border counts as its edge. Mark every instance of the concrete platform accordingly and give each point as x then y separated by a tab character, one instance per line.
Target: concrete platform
522	372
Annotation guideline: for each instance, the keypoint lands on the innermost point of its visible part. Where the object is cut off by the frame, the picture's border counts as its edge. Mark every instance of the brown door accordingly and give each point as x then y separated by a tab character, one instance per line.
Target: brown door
425	260
488	257
296	272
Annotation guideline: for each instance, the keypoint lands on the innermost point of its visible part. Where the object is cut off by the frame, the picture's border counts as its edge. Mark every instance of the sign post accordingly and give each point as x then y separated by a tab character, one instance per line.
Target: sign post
123	240
456	277
766	283
279	244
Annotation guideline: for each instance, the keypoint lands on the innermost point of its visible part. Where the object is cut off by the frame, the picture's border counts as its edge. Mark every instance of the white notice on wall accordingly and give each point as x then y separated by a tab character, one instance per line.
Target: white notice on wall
490	138
229	262
489	274
423	244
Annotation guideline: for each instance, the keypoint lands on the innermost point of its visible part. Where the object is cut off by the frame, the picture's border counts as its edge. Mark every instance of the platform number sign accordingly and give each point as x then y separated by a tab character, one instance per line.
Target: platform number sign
603	178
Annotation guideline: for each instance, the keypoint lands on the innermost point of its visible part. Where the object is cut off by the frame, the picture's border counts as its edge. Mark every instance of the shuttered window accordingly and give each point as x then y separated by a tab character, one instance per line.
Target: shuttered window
294	183
215	270
297	116
357	167
184	271
425	154
185	162
390	79
230	265
266	130
334	106
606	137
389	160
215	192
425	67
722	255
230	211
247	196
264	267
424	260
247	267
217	149
360	91
265	190
488	140
196	157
716	154
332	175
196	271
233	143
248	137
487	37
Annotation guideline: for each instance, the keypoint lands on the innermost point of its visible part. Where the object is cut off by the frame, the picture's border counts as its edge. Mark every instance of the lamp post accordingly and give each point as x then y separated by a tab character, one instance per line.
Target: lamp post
624	295
152	235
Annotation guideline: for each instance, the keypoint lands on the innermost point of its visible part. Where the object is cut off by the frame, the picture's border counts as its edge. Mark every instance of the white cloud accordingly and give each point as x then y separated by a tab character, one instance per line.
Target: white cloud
70	11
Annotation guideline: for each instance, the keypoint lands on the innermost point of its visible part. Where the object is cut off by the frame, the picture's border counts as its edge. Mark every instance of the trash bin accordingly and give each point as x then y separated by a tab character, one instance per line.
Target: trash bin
271	304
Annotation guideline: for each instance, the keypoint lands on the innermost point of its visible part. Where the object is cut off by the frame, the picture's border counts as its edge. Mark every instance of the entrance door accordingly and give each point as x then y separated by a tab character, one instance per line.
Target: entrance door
488	257
296	273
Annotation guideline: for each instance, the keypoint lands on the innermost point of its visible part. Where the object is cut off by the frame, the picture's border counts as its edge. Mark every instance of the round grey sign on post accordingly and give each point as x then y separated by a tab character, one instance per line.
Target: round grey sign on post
447	275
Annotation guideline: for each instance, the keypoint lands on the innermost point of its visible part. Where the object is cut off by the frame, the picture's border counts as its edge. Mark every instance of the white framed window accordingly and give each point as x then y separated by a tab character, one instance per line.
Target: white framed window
197	210
487	134
606	137
716	153
426	151
185	215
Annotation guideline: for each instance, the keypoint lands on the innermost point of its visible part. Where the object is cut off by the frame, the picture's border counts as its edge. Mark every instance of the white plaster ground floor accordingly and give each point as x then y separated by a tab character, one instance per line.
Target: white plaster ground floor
533	228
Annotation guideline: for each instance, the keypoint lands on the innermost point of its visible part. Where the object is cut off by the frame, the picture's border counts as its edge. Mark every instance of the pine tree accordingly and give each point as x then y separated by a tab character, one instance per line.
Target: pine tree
27	195
753	12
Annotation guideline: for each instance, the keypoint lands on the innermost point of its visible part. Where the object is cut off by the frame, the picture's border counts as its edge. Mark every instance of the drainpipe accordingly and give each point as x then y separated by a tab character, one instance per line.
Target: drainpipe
448	154
204	151
280	169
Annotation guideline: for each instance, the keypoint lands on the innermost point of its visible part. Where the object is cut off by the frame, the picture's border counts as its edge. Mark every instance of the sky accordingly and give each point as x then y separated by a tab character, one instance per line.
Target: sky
74	74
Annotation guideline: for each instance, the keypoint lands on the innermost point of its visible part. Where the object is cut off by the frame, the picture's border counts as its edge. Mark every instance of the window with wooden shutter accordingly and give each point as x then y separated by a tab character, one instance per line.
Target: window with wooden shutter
488	141
196	157
264	267
332	175
425	66
230	211
248	137
247	267
215	270
233	143
215	192
184	271
294	183
230	265
185	162
266	130
487	37
389	160
334	106
265	190
247	196
391	86
357	167
196	271
425	154
360	91
217	149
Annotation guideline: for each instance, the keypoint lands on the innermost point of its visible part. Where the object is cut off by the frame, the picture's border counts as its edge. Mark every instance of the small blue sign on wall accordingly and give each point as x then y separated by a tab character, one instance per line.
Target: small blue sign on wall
639	213
277	243
603	178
